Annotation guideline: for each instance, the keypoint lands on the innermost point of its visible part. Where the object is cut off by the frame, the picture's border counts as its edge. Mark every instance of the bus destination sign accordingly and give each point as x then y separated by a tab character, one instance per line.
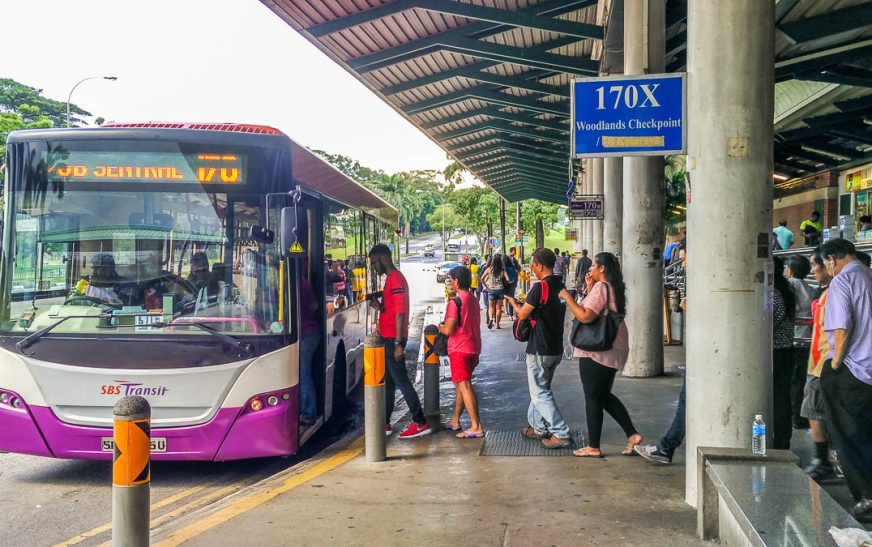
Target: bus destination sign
147	167
629	115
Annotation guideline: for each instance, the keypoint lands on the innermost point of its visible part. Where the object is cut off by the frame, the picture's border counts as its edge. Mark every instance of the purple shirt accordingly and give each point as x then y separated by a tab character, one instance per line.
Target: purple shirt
849	307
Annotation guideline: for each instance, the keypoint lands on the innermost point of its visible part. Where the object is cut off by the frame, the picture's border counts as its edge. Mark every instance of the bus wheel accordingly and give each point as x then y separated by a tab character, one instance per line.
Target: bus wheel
340	378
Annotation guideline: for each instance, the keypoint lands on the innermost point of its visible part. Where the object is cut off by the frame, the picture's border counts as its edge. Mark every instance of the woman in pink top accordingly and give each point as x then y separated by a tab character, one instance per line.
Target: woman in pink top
463	328
605	286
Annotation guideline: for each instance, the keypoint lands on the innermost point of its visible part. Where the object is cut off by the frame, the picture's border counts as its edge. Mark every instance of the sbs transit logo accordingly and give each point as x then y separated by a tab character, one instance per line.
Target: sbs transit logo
125	388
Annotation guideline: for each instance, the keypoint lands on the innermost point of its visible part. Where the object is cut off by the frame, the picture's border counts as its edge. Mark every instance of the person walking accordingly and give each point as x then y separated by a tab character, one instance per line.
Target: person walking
597	369
784	235
495	279
463	329
812	402
393	326
544	351
512	267
846	377
582	267
473	284
783	313
559	265
797	269
665	448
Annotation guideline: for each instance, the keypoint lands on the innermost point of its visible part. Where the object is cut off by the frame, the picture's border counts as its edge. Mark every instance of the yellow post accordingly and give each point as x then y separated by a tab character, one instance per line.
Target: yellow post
374	398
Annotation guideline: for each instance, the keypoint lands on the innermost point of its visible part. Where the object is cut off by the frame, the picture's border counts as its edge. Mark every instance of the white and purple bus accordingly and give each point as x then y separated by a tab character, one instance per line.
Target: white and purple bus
170	261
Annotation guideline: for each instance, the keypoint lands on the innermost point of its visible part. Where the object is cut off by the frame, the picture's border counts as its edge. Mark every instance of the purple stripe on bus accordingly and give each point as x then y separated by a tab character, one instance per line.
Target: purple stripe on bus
229	435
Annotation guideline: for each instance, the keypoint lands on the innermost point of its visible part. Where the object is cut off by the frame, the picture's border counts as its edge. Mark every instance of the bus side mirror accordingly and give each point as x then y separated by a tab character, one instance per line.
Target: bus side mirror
292	246
261	234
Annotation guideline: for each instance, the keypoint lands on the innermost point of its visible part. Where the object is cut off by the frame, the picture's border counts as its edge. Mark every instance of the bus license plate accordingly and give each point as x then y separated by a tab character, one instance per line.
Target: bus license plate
158	444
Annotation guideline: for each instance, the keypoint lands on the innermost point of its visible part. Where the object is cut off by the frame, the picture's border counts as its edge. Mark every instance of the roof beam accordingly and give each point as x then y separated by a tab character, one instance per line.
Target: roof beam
519	167
483	93
836	118
521	81
479	65
498	146
549	163
505	127
783	8
838	150
491	51
513	18
798	166
814	157
535	146
496	113
835	77
786	69
859	135
828	23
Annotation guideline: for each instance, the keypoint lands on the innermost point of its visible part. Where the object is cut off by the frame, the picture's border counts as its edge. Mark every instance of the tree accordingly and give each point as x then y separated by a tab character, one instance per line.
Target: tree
675	202
452	219
539	214
13	95
352	169
479	210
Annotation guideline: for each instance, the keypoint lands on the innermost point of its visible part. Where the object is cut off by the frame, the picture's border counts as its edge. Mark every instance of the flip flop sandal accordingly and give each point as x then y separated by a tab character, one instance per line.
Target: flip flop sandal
630	450
449	428
581	453
470	435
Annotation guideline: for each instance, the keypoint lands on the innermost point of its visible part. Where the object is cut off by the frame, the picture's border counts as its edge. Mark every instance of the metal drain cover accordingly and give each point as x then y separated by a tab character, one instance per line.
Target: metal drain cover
510	442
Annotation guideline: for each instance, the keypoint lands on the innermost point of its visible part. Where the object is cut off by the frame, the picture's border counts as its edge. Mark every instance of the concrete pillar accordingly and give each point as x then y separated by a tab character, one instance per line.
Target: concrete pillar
729	353
596	187
587	228
643	200
613	192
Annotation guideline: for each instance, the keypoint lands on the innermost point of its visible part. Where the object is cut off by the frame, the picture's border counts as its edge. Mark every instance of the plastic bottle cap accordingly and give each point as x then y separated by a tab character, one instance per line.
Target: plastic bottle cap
758	416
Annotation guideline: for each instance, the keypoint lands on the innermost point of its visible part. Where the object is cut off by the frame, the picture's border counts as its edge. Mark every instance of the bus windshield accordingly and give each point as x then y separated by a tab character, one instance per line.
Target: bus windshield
123	261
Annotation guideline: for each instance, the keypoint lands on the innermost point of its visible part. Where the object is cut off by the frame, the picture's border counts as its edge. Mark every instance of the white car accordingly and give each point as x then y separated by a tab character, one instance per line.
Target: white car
443	269
429	250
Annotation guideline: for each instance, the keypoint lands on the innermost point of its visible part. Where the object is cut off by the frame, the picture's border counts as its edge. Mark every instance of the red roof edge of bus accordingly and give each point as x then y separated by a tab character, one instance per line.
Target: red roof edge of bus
234	127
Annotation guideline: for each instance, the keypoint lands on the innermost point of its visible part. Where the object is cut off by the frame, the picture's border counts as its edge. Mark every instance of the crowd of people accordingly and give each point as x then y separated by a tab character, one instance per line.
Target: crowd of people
822	352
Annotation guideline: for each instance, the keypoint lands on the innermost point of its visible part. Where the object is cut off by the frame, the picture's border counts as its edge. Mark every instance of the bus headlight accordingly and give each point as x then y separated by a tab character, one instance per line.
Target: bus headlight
11	400
273	400
256	404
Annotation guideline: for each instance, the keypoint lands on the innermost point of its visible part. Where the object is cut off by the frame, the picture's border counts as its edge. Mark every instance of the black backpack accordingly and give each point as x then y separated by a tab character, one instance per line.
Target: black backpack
522	330
440	343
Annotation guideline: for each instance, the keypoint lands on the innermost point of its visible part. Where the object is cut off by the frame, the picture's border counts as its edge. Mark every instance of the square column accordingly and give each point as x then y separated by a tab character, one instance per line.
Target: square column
729	277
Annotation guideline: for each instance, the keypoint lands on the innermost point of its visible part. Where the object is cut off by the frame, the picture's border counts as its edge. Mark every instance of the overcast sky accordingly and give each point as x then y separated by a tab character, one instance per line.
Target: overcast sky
209	61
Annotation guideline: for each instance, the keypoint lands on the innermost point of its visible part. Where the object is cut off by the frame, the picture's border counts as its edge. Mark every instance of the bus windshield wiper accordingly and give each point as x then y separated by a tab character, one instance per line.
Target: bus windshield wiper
30	340
226	338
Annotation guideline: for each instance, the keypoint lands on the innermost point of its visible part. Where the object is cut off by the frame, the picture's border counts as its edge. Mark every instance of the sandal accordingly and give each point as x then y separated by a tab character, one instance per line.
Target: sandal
629	451
587	452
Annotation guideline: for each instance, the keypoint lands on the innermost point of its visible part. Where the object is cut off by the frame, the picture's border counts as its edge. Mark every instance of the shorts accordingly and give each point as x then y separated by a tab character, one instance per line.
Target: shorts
462	365
511	288
495	294
813	400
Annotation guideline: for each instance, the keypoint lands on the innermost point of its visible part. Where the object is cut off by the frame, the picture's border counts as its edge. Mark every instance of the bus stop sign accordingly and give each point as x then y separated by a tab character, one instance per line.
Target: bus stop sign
629	115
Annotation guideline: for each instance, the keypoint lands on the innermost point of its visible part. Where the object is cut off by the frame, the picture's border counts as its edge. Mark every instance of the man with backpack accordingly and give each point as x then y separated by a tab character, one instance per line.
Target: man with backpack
544	351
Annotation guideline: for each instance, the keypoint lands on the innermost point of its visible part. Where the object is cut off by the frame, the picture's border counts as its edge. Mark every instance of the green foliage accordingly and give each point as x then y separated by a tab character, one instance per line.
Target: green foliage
478	209
675	198
14	95
452	219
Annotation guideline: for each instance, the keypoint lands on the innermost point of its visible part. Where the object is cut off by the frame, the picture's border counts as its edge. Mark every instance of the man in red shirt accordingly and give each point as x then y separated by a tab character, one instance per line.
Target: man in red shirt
393	326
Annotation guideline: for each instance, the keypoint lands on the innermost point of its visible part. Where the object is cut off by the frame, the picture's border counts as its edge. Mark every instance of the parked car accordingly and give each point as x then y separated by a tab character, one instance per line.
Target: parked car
443	269
429	250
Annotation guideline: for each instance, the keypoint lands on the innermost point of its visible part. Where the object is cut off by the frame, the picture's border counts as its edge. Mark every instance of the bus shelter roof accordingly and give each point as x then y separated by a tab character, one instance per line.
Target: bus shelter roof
488	80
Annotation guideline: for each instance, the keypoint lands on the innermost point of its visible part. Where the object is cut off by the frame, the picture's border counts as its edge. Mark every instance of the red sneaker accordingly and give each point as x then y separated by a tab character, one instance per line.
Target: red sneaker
415	430
388	430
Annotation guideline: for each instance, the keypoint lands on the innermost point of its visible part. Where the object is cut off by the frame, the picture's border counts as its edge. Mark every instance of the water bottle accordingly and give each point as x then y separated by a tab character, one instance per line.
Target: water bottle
758	436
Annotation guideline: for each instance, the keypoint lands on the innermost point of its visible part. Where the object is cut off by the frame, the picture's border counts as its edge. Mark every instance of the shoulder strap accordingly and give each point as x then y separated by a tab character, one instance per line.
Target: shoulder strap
459	303
544	290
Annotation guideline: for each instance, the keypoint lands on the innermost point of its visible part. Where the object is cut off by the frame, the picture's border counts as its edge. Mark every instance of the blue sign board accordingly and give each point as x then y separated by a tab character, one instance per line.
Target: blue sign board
629	115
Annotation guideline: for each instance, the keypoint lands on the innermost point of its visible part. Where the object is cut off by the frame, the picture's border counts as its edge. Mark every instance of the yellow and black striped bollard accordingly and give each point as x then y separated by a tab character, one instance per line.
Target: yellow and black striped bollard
131	472
374	398
431	376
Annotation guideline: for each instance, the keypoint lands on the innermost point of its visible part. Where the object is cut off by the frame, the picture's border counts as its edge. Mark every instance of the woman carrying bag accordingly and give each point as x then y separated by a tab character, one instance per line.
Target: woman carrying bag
597	369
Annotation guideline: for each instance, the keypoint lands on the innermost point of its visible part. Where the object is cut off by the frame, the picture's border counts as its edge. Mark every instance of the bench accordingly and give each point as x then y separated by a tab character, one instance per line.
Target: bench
745	499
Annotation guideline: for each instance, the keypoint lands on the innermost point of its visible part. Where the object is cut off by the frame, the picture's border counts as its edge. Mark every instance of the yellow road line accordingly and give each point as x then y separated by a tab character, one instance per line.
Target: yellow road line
197	503
259	498
108	526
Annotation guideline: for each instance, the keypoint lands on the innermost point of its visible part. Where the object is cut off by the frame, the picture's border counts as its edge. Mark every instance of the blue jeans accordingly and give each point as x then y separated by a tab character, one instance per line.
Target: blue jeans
675	436
543	413
308	401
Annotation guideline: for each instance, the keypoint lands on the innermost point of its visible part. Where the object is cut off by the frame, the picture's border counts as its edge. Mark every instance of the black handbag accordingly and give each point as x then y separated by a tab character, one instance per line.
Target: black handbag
522	329
440	343
601	333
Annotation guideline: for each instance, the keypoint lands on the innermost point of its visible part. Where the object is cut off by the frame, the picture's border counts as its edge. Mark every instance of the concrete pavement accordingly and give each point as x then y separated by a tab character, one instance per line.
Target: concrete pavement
438	490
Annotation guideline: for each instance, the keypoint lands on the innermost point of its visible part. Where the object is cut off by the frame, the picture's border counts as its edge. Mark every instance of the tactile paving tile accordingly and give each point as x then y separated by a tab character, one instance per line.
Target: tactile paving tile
510	442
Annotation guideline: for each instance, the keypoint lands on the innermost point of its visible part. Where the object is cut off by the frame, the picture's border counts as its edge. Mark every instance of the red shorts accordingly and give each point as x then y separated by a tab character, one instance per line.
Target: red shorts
462	365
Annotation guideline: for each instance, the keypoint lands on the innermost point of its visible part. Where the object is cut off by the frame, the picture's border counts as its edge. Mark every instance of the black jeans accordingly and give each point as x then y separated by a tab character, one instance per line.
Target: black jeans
782	378
675	436
848	404
596	382
396	376
797	385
